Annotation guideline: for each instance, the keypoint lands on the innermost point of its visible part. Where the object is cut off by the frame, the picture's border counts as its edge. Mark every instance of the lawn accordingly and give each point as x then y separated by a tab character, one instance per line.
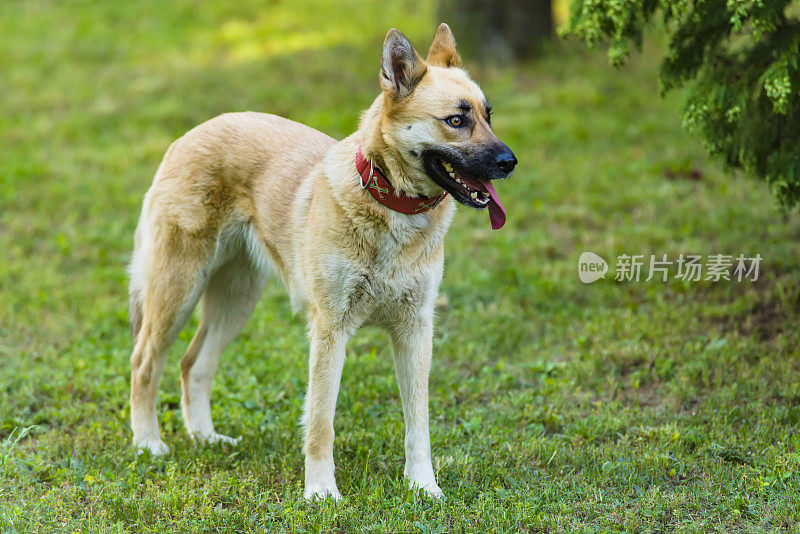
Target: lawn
555	405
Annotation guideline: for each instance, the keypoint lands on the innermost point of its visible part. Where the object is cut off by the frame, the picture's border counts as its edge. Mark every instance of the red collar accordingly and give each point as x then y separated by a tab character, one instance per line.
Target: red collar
380	188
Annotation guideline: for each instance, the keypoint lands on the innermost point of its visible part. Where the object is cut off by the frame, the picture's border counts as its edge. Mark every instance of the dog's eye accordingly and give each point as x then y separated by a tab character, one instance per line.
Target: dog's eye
456	121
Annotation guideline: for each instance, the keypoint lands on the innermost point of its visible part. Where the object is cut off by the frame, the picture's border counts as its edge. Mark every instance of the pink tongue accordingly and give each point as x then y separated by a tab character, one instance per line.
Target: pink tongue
497	213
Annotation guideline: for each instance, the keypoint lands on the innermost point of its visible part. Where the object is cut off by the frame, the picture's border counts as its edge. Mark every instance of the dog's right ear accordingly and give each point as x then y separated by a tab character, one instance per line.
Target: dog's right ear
443	51
401	66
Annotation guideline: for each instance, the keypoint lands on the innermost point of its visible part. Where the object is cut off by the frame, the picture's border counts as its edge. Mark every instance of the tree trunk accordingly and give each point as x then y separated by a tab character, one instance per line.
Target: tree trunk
500	30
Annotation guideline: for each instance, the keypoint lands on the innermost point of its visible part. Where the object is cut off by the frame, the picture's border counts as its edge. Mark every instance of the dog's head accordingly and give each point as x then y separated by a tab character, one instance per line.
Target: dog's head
436	124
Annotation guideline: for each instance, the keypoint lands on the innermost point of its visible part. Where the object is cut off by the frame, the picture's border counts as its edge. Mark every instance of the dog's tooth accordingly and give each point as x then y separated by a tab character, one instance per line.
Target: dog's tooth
458	180
474	195
448	167
452	174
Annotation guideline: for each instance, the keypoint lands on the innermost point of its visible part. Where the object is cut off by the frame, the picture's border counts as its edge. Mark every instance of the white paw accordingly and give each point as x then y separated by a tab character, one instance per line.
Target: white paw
213	437
320	481
431	488
420	475
321	492
154	445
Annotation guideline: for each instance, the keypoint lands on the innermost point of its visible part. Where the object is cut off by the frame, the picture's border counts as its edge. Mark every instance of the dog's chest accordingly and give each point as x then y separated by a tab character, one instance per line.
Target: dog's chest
368	290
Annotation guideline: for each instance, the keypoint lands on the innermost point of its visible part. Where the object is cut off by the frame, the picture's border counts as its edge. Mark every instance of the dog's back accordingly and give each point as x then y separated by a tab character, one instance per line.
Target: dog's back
226	159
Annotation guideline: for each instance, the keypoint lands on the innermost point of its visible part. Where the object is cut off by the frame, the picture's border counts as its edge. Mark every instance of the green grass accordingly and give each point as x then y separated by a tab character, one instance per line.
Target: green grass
555	406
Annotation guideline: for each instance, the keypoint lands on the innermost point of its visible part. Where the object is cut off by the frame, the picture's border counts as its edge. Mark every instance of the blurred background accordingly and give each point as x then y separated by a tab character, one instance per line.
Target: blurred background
555	405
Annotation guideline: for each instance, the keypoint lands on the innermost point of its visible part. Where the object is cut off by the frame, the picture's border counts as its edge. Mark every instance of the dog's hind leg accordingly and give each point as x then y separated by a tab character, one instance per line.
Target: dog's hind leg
176	273
227	303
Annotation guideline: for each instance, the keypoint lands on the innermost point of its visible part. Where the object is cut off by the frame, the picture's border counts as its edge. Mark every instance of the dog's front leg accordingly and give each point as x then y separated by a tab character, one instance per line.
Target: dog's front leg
412	356
325	372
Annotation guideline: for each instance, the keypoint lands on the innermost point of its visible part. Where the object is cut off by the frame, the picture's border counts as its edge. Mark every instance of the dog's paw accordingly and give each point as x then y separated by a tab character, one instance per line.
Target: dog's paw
420	476
431	488
213	437
320	483
320	492
155	447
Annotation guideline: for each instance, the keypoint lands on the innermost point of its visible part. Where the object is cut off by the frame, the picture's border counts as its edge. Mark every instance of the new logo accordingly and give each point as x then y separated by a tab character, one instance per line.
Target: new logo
591	267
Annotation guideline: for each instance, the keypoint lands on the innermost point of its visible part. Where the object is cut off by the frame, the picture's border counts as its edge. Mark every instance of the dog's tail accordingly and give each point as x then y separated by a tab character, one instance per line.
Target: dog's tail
137	277
135	313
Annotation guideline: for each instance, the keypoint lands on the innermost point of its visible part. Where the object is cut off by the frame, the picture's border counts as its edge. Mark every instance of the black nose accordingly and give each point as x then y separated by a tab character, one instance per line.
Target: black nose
506	161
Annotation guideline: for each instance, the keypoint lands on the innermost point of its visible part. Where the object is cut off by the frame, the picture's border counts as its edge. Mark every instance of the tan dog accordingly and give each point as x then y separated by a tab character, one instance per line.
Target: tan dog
354	229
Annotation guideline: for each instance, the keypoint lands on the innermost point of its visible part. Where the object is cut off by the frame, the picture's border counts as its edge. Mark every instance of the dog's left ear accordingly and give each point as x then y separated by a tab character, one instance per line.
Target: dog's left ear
443	49
401	66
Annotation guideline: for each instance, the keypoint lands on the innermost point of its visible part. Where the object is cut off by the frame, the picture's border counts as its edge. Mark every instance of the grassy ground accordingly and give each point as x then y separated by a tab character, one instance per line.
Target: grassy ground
556	406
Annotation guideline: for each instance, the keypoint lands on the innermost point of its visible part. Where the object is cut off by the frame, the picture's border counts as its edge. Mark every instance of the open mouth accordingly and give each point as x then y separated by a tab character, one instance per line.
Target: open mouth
467	190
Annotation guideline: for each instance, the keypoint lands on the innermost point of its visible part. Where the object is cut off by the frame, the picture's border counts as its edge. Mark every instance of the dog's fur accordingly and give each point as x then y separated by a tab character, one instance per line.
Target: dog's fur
249	195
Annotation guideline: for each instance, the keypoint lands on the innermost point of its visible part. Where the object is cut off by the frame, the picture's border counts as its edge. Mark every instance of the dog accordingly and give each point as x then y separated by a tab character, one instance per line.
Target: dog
354	230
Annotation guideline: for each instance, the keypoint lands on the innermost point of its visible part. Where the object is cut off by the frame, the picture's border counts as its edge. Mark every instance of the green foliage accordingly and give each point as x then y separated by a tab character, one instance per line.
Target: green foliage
555	406
741	61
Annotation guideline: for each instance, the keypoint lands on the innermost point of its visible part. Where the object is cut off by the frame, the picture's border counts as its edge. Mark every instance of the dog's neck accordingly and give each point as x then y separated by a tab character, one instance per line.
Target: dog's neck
404	177
424	231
